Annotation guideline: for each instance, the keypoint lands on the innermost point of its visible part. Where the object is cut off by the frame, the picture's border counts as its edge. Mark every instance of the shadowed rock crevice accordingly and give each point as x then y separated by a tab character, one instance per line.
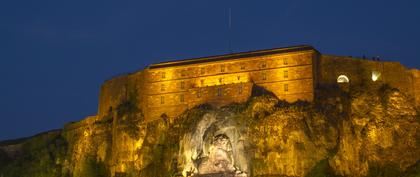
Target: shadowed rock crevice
260	91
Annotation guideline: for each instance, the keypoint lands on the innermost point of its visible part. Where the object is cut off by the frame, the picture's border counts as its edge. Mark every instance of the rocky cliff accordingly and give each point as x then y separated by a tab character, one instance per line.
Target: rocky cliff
360	132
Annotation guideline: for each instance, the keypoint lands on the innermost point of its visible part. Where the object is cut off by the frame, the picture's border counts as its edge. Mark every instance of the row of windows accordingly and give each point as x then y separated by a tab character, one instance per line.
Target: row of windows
223	68
219	93
264	77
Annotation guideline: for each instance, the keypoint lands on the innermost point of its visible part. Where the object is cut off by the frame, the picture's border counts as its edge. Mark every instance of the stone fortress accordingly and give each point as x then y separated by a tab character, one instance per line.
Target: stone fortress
295	73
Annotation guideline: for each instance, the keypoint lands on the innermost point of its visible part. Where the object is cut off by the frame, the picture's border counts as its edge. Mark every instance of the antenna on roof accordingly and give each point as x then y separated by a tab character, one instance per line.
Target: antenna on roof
230	30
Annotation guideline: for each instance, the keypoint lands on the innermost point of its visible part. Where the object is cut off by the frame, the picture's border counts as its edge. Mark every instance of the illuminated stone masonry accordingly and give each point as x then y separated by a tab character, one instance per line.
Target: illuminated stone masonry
292	74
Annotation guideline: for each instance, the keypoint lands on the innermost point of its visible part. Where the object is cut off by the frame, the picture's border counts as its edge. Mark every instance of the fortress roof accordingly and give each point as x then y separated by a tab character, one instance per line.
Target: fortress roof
231	56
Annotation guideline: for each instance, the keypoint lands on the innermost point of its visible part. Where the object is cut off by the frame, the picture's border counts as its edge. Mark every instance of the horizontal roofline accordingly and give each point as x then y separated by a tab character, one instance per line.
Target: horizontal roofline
231	56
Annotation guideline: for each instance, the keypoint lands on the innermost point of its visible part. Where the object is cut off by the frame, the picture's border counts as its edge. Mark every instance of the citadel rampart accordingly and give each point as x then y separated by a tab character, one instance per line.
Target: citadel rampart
292	74
360	71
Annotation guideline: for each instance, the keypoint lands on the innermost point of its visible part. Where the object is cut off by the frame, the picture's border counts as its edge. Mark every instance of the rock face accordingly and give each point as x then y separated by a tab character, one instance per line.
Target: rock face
363	132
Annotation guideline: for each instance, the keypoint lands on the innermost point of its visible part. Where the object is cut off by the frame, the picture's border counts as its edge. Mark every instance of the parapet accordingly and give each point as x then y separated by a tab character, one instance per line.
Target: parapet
291	74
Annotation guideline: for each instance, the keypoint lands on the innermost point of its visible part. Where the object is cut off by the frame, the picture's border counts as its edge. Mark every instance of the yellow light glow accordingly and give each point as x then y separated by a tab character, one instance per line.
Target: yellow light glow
86	133
375	75
343	79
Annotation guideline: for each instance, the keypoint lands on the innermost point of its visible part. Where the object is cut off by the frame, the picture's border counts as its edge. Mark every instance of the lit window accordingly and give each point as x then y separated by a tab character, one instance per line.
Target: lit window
285	62
264	64
182	84
219	91
375	75
162	87
181	98
286	87
162	100
264	76
342	79
286	74
241	88
163	75
222	68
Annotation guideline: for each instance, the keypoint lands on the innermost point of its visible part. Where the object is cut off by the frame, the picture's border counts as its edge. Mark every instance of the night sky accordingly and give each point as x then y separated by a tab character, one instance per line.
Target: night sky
54	55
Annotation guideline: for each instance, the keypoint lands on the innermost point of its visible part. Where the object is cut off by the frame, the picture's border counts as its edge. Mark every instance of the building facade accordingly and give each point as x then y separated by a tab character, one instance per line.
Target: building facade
291	74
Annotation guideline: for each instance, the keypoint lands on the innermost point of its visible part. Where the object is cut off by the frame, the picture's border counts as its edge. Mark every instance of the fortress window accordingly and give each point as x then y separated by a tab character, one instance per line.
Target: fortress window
162	100
239	77
342	79
202	82
286	87
241	88
219	91
183	73
220	80
264	64
182	85
222	68
181	98
286	74
163	75
162	87
264	76
203	70
285	62
242	67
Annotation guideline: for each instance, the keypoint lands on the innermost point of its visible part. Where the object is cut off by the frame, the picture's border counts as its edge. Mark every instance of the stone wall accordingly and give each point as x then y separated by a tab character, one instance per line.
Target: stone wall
171	90
119	89
168	89
173	87
111	94
360	71
416	85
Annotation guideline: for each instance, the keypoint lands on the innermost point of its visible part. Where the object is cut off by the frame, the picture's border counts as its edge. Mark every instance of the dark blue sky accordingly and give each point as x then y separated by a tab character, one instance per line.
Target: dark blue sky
54	55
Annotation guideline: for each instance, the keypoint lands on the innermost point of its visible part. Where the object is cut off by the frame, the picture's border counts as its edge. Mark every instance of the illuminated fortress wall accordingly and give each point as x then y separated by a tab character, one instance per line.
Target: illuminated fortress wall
363	72
173	87
416	85
119	89
293	73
